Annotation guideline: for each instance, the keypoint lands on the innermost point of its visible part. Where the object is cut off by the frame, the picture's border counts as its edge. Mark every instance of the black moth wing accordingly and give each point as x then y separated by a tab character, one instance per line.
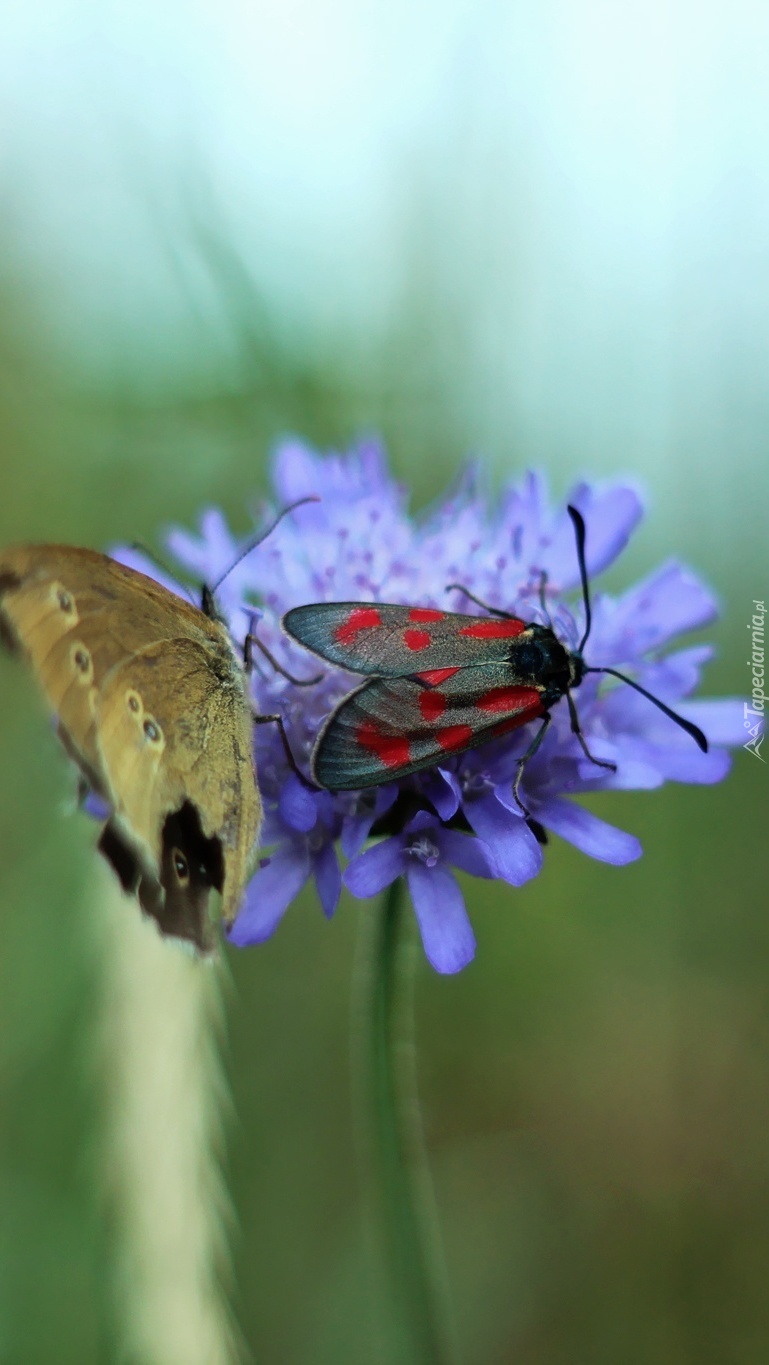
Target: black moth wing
393	641
390	727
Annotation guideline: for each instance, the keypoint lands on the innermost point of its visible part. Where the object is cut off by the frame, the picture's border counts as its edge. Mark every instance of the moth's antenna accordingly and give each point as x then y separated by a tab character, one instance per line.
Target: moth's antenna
579	531
687	725
252	544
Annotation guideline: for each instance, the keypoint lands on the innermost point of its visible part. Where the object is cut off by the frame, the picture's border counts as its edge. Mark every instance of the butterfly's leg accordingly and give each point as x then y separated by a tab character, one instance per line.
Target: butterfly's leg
530	752
493	611
248	662
292	763
575	730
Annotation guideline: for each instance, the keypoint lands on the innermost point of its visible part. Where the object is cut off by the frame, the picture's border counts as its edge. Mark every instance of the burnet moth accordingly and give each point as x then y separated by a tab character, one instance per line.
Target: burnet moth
443	682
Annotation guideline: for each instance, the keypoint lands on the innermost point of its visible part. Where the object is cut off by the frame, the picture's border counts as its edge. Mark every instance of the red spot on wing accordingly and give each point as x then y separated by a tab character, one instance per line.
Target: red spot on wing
523	718
509	699
495	628
425	614
454	736
394	751
435	676
432	705
416	639
360	618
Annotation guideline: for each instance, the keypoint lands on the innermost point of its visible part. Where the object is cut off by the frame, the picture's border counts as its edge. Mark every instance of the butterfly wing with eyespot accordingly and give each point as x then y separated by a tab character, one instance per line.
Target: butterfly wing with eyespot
81	617
175	730
76	614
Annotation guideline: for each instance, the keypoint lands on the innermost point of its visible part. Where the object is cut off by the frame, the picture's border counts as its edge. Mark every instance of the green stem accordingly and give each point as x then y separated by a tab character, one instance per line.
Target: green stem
392	1140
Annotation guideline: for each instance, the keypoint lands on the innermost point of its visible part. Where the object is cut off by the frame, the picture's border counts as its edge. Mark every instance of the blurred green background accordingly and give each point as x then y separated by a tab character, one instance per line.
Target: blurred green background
538	236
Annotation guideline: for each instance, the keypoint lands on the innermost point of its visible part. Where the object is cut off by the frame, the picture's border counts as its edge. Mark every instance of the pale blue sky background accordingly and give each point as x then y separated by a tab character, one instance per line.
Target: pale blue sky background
578	189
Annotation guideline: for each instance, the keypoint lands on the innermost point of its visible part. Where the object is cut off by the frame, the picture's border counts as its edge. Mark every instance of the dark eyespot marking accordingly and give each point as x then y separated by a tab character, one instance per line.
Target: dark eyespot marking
82	659
181	867
133	702
151	730
65	601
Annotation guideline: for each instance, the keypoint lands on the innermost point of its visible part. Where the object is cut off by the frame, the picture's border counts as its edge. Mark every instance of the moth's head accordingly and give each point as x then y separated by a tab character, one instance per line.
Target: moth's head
576	668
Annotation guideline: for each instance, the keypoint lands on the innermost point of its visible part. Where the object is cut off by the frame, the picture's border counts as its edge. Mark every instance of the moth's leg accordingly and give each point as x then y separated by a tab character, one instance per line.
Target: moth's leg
493	611
575	730
248	662
530	752
278	720
538	830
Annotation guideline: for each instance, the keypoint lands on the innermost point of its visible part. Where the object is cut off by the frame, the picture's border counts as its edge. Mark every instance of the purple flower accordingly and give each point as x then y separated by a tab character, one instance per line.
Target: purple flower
424	853
359	543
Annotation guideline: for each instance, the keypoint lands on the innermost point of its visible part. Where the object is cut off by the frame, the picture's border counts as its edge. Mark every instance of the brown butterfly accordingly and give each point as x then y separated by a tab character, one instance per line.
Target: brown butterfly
151	702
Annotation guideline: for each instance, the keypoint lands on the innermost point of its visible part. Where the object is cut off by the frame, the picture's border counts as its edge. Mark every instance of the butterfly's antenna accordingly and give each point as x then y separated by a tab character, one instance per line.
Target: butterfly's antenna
252	544
687	725
160	564
579	531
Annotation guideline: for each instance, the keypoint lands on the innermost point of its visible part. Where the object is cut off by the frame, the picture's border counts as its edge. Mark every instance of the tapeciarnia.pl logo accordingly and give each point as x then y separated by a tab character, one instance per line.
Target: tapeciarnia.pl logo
754	709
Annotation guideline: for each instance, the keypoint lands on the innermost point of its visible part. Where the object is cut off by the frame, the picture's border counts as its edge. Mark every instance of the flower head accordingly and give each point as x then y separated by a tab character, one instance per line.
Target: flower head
359	543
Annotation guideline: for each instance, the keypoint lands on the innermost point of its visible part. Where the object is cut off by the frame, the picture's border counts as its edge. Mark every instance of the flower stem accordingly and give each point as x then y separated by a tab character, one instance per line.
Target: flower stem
166	1104
393	1153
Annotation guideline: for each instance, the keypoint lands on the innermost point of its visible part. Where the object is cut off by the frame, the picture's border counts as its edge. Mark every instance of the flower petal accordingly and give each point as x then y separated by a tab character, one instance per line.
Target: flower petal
722	720
328	878
95	806
372	871
611	515
466	852
442	790
515	851
269	894
298	805
447	935
593	836
668	601
368	808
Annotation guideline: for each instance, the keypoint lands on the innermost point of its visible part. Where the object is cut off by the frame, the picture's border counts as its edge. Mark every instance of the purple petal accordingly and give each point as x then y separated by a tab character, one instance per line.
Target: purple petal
443	791
136	559
593	836
424	819
328	878
269	894
517	854
447	934
372	871
683	762
366	811
722	720
95	806
211	553
297	473
298	805
466	852
677	675
611	515
669	601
